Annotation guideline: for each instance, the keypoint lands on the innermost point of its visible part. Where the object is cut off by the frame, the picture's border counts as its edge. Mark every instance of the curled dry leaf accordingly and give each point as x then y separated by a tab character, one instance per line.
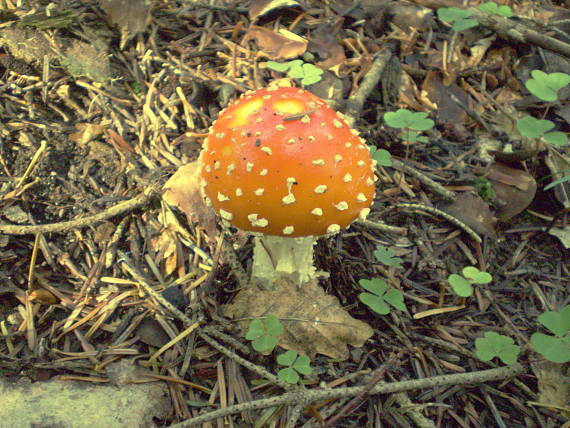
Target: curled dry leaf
559	165
183	191
281	45
262	7
315	323
131	16
514	190
474	212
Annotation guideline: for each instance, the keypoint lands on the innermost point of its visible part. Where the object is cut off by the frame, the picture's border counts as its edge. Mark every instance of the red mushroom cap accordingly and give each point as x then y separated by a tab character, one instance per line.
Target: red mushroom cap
281	162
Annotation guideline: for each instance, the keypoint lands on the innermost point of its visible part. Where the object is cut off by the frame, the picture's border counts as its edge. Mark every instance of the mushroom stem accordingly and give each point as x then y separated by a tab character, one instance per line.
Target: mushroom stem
276	256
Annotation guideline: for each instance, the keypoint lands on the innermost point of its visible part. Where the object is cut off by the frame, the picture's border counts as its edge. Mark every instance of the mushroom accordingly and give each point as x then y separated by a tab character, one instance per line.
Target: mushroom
283	165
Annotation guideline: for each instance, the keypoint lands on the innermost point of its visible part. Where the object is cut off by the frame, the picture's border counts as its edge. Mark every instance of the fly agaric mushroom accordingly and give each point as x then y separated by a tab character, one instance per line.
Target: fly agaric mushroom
280	163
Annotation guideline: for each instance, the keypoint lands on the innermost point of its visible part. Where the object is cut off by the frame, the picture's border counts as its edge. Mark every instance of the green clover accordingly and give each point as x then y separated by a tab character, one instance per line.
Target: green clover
295	364
546	85
496	345
264	333
554	348
381	296
461	18
494	9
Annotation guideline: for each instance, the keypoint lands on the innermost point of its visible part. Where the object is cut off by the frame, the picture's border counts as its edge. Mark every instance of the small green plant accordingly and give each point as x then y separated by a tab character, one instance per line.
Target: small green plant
297	69
554	348
386	256
494	9
546	85
381	296
560	180
382	156
459	18
264	333
485	189
295	364
463	285
496	345
538	128
410	122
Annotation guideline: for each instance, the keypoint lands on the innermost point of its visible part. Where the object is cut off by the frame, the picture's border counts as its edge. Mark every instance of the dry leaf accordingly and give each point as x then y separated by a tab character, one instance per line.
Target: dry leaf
563	235
131	16
553	386
282	45
514	190
474	212
559	165
263	7
183	191
86	132
325	41
314	321
444	97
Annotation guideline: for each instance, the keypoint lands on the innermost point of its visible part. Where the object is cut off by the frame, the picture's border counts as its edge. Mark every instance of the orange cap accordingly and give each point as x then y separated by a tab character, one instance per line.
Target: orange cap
280	161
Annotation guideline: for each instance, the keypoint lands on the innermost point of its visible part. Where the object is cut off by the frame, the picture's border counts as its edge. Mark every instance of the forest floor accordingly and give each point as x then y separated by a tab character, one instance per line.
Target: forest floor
101	102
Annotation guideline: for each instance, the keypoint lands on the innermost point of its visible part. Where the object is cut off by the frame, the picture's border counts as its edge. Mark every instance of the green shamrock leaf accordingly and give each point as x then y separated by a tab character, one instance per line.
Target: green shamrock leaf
496	345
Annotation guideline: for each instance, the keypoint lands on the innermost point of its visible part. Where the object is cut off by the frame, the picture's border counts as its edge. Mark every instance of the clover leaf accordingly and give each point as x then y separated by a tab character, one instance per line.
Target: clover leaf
381	296
461	18
403	118
382	156
386	256
494	9
546	85
264	333
496	345
554	348
295	364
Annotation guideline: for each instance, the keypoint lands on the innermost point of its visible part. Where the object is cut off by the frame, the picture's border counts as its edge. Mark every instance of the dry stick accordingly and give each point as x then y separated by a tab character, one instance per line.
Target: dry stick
300	396
355	402
245	363
355	104
132	204
424	209
425	180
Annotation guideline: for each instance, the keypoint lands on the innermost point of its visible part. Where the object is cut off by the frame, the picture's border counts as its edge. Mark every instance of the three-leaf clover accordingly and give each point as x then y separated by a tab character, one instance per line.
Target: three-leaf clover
546	85
386	256
496	345
297	69
554	348
382	156
381	296
264	333
494	9
295	364
463	285
403	118
536	128
461	18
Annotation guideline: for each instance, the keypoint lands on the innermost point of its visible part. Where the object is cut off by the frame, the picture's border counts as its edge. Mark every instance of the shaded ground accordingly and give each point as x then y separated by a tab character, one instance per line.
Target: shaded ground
101	103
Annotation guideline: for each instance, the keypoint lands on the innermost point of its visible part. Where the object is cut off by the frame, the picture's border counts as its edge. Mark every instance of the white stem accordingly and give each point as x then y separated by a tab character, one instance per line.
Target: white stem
275	257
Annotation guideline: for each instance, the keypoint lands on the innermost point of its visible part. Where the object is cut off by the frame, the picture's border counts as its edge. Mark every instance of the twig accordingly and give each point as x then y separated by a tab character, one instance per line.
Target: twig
425	180
132	204
302	396
243	362
355	103
424	209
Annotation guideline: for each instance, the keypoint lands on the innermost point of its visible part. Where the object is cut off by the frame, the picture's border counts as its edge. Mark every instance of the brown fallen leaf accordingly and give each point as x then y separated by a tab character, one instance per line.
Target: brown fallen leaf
325	41
281	45
514	190
131	16
183	191
315	323
474	212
